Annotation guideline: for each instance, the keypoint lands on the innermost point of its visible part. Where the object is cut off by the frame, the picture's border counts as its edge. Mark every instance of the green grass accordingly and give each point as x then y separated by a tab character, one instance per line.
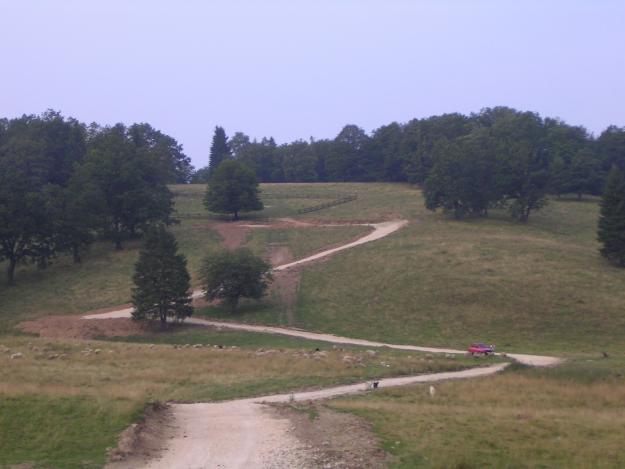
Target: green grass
65	412
104	278
521	418
60	432
540	287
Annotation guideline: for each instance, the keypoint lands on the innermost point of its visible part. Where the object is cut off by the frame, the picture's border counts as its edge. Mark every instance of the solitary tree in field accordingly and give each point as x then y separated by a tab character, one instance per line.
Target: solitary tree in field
231	275
232	188
220	149
611	232
161	279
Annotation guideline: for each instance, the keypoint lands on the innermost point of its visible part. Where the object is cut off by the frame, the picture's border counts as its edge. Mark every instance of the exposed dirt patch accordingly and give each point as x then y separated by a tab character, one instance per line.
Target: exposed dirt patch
232	234
73	327
285	283
334	439
144	440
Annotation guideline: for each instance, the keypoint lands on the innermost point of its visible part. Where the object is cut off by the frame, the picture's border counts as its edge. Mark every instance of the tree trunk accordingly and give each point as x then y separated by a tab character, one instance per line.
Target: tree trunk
76	254
579	196
11	271
236	215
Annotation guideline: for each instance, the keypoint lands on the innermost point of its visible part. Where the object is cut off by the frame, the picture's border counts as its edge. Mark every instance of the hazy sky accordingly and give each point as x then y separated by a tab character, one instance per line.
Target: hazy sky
295	69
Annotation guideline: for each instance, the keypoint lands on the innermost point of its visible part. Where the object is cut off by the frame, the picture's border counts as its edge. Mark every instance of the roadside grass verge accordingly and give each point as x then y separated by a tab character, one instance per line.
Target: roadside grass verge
522	418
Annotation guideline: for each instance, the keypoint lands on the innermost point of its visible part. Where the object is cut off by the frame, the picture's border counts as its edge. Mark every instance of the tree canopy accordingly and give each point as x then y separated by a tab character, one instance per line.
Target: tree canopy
63	183
232	188
232	275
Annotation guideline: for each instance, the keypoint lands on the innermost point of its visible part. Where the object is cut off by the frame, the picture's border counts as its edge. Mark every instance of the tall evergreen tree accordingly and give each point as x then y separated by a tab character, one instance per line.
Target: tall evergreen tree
220	149
161	278
611	230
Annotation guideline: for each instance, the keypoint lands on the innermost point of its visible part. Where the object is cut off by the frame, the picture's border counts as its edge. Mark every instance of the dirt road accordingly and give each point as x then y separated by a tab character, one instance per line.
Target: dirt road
241	433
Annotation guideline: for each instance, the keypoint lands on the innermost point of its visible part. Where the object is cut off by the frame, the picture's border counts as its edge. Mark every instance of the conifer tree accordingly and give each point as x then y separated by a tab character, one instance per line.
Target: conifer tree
161	279
220	149
611	231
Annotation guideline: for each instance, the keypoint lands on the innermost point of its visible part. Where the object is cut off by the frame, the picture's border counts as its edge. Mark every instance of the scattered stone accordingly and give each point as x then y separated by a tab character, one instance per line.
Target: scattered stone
198	346
17	355
372	353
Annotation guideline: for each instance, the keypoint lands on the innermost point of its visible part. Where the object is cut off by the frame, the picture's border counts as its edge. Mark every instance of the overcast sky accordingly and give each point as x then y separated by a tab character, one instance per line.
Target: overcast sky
295	69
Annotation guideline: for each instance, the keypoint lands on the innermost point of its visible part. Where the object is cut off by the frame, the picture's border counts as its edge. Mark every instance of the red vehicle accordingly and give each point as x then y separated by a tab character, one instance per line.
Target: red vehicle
481	349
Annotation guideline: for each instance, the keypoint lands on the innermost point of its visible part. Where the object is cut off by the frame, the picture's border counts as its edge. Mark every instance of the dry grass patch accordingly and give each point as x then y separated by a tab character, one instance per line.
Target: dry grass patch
527	419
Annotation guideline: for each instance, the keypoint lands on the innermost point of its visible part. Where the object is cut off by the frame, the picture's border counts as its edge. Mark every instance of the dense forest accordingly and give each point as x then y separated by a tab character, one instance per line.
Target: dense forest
466	164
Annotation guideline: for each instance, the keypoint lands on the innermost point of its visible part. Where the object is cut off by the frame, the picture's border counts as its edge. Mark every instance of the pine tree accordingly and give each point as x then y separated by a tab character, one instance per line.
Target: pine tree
611	231
220	149
161	279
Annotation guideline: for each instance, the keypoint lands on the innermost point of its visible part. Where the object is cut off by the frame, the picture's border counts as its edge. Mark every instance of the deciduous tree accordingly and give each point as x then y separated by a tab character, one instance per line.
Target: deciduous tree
232	275
232	188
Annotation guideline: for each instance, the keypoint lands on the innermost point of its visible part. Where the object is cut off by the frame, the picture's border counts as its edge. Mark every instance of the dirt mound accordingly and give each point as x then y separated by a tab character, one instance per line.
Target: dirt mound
144	440
73	327
335	439
232	234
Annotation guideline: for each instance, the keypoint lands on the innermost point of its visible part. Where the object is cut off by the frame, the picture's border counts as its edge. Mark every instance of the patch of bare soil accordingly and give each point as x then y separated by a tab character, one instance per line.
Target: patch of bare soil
74	327
232	234
334	439
145	440
286	282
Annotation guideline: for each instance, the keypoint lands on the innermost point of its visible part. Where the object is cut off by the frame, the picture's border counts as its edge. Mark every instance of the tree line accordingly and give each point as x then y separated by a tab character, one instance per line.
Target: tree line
64	183
466	163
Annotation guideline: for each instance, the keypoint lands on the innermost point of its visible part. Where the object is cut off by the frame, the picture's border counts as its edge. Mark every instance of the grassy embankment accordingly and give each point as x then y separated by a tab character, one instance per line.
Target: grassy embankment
65	411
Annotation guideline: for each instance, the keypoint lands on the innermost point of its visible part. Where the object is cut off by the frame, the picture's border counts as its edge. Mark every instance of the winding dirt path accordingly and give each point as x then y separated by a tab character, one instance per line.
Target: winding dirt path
241	433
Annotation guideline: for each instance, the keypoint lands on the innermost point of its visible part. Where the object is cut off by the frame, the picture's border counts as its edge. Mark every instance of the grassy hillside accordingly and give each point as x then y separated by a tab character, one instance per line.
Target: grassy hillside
540	287
104	279
570	417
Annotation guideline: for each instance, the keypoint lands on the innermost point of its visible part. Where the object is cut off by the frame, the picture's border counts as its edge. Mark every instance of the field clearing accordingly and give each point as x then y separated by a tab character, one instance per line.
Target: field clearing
535	288
520	418
83	393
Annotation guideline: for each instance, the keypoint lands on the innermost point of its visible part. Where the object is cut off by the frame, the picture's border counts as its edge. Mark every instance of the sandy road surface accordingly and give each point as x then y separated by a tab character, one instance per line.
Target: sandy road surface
241	434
